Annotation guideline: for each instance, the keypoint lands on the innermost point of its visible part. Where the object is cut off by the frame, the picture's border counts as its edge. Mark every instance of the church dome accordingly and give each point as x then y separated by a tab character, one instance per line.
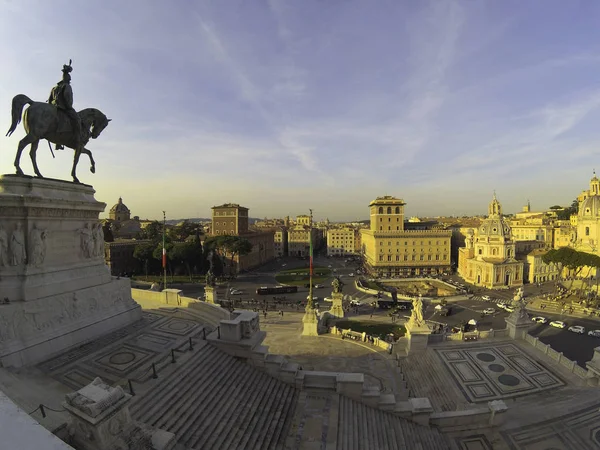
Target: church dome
119	207
494	226
590	208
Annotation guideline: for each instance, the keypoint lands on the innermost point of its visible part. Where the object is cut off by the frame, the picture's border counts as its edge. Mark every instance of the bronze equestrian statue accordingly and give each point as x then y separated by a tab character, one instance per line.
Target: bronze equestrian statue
57	122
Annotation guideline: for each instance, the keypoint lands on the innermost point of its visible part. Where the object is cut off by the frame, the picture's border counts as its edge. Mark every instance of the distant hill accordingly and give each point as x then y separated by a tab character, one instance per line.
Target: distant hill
251	220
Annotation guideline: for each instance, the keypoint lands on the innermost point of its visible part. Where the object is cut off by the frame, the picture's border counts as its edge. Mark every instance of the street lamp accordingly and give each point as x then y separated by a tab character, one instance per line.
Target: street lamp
310	304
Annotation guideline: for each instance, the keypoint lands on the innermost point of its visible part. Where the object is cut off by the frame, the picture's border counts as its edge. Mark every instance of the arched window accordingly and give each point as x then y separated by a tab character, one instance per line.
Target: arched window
389	210
381	210
494	251
587	231
397	210
480	251
380	228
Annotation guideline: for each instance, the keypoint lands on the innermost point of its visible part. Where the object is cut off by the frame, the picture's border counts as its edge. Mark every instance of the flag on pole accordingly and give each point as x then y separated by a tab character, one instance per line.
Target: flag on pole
164	258
310	252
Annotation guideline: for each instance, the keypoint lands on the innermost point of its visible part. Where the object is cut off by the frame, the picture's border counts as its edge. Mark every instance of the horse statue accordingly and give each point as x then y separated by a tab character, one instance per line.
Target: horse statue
45	121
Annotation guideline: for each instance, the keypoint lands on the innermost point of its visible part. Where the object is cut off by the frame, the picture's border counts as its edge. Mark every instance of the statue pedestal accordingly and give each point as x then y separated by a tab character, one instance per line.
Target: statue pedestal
518	323
100	419
56	290
337	308
211	294
310	323
417	335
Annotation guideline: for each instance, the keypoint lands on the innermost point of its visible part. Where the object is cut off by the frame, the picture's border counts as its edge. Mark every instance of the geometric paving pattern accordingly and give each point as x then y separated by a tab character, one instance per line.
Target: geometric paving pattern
485	373
576	431
127	353
474	442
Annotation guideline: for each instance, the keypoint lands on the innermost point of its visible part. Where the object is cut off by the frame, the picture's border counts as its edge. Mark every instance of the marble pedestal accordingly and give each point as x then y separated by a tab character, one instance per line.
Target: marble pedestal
337	308
56	292
210	294
100	420
310	323
417	335
518	323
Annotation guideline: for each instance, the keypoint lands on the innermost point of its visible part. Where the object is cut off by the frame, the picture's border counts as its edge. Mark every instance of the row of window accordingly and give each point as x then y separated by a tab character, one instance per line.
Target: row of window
414	243
414	258
389	210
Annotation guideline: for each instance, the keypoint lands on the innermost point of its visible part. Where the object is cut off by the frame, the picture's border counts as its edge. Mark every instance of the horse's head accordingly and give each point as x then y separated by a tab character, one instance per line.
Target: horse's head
100	123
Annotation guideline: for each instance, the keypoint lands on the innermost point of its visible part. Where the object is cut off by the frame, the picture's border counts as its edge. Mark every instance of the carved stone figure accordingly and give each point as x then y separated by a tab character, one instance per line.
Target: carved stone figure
37	246
417	311
18	254
3	247
210	278
98	241
87	241
57	122
337	285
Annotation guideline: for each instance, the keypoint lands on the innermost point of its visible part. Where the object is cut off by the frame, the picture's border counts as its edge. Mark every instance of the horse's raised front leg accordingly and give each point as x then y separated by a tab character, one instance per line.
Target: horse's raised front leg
33	154
89	153
75	161
22	144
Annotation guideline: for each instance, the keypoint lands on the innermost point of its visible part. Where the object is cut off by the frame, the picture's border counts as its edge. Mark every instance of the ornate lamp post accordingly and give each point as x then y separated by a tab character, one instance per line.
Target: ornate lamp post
310	305
164	251
310	321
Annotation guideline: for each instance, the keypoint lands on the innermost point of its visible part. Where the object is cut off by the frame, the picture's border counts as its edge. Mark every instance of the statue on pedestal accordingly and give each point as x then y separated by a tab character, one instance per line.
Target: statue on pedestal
57	122
210	278
337	285
520	304
416	316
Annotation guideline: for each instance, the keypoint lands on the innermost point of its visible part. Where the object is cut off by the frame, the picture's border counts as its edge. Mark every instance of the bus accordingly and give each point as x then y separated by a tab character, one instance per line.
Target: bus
277	290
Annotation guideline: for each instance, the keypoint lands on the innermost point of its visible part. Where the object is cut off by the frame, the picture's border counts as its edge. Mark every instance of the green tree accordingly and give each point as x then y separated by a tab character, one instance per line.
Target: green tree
107	231
153	231
144	253
187	254
237	246
186	229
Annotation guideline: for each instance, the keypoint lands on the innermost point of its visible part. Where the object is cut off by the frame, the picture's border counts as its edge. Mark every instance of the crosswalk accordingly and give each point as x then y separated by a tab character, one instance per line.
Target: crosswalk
491	300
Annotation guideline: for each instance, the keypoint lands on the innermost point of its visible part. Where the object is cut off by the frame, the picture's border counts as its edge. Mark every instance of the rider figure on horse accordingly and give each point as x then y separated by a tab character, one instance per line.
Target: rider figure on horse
61	96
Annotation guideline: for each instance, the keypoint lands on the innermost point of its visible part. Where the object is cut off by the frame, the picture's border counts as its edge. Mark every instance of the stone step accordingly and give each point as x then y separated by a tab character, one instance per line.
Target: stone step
363	427
215	401
216	420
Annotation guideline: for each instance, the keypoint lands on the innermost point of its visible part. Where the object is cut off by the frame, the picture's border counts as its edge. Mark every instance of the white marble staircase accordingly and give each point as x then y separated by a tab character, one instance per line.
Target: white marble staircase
363	427
215	401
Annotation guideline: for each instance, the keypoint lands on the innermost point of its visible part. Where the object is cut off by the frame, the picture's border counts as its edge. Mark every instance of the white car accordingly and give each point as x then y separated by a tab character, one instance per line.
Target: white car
319	286
489	311
594	333
486	298
327	299
558	324
236	292
330	266
315	298
438	307
350	274
355	303
577	329
539	319
509	308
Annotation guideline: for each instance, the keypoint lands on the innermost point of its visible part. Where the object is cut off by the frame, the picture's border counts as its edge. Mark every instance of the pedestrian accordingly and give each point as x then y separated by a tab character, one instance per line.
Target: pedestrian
265	313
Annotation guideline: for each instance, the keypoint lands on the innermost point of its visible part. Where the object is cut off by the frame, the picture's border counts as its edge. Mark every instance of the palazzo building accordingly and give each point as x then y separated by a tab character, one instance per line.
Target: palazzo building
390	251
488	258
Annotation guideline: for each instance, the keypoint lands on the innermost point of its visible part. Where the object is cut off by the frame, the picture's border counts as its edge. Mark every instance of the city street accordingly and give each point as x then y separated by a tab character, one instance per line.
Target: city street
574	346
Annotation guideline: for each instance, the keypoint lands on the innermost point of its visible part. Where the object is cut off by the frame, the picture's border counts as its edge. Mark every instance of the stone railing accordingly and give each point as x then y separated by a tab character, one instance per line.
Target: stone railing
470	335
562	360
172	298
480	417
361	337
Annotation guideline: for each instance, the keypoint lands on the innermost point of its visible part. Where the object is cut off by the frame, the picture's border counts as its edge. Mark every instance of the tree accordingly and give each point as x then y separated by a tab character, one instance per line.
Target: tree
186	229
144	253
187	254
238	246
153	231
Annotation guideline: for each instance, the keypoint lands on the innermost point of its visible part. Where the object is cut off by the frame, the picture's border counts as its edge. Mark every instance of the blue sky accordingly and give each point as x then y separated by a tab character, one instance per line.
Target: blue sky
285	105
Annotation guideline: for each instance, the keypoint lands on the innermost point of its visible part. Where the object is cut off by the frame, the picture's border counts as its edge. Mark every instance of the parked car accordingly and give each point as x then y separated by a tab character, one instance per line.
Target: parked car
539	319
509	308
355	303
558	324
318	286
328	299
594	333
330	266
350	274
489	311
486	298
438	307
236	292
577	329
315	298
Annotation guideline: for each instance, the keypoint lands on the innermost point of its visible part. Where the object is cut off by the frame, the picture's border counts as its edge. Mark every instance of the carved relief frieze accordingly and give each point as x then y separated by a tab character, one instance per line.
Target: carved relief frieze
37	246
16	246
25	319
19	211
4	257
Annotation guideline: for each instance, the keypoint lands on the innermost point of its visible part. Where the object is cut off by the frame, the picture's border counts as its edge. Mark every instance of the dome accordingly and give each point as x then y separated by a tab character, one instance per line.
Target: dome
494	227
119	207
590	208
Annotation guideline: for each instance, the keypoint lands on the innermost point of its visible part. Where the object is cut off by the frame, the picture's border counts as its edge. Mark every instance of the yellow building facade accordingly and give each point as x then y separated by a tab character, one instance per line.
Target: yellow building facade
390	251
488	258
588	220
537	271
343	241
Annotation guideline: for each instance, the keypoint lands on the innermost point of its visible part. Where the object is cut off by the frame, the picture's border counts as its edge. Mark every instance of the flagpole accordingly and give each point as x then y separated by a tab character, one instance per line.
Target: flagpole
309	304
164	251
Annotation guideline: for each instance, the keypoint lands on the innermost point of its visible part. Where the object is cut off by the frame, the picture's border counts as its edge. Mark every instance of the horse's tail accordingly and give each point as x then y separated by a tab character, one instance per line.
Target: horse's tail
18	102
